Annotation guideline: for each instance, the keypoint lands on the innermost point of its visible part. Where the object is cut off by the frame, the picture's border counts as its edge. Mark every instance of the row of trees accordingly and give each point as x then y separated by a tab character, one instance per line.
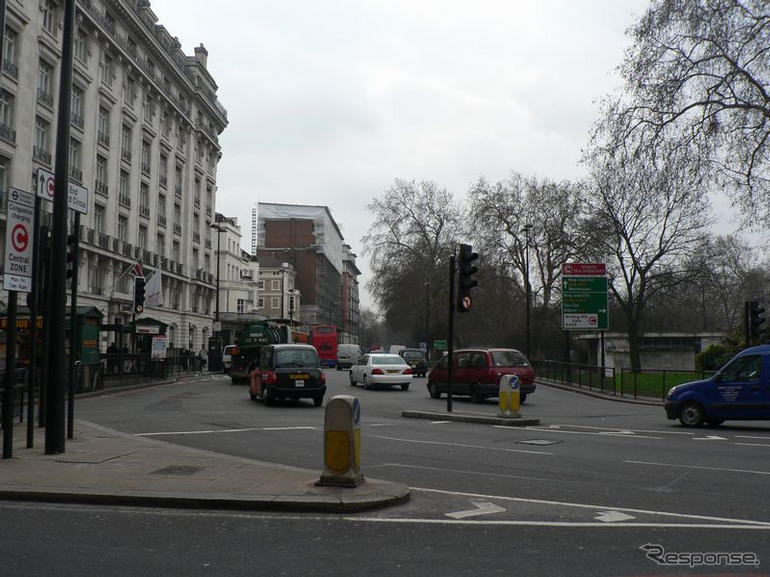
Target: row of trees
693	118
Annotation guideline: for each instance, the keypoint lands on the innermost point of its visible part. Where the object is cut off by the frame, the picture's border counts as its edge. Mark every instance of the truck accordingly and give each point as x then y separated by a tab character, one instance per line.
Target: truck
252	338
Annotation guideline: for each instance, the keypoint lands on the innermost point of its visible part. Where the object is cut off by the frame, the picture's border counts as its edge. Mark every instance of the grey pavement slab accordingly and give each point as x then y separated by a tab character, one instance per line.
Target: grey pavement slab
105	466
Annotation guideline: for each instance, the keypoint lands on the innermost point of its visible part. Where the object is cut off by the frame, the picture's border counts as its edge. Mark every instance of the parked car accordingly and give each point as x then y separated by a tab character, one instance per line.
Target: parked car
287	371
476	373
416	359
740	390
381	369
227	359
347	355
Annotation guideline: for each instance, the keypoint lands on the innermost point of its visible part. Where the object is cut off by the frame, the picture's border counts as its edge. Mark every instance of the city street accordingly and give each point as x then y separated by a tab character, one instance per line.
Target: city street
578	494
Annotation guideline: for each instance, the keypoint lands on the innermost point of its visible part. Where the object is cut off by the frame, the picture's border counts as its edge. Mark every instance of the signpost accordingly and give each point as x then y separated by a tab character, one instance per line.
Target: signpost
19	241
584	304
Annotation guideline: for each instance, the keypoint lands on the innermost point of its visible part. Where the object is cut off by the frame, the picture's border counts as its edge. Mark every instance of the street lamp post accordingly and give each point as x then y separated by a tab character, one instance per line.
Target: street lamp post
215	364
526	228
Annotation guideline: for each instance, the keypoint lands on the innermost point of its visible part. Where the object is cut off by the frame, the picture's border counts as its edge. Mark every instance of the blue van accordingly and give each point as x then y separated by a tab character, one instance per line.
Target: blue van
740	390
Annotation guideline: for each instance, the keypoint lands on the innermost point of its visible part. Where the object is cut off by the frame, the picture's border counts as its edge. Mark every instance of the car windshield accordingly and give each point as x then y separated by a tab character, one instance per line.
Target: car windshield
387	360
413	355
295	358
509	358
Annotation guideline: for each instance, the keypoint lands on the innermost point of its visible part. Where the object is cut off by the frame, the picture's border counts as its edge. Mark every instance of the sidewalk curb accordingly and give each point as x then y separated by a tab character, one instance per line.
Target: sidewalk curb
471	418
598	395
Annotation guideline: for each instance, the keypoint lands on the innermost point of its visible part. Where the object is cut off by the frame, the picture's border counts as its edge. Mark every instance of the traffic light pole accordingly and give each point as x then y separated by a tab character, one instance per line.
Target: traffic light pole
451	339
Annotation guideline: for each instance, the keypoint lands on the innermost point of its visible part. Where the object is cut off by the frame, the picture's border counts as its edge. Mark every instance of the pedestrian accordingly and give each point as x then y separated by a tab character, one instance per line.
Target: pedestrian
202	358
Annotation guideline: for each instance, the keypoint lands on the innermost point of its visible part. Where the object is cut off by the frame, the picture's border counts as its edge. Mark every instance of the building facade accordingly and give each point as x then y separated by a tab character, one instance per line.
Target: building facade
145	124
308	238
278	297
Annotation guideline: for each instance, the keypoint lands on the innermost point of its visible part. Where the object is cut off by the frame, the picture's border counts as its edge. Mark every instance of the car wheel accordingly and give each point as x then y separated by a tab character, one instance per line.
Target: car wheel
317	401
691	415
365	383
522	398
352	380
404	386
476	396
433	390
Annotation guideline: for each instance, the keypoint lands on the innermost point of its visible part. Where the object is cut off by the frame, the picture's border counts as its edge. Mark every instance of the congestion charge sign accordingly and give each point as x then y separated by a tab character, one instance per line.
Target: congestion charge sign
19	241
584	302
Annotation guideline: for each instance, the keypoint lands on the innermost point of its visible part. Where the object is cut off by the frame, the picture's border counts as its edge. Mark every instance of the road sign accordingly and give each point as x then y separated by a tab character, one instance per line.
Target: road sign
19	240
77	196
584	304
439	345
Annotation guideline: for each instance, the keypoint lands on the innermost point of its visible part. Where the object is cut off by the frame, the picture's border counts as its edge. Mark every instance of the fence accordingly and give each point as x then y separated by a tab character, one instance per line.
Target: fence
646	384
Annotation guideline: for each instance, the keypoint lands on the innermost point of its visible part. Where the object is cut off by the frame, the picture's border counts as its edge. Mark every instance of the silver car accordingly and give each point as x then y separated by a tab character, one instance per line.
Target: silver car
381	369
227	359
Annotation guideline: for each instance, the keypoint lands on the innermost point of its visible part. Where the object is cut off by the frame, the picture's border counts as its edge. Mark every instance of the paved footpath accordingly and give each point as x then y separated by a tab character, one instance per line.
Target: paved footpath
104	466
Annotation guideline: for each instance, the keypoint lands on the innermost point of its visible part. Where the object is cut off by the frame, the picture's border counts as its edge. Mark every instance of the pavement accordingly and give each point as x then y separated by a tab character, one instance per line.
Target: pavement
105	466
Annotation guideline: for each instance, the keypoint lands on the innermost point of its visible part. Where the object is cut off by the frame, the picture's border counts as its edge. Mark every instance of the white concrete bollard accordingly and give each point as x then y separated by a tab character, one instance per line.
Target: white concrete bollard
342	443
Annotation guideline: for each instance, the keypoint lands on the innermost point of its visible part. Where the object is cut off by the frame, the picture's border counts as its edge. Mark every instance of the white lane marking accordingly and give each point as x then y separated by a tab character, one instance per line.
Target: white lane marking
701	467
459	445
212	431
560	524
439	422
710	438
609	433
612	516
613	429
481	508
765	524
752	444
764	438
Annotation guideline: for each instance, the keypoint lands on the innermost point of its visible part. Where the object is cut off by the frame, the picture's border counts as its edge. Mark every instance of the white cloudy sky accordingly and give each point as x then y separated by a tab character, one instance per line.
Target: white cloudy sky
329	102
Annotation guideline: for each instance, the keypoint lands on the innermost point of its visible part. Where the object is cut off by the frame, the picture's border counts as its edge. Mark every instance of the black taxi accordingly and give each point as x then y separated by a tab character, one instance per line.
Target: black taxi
287	371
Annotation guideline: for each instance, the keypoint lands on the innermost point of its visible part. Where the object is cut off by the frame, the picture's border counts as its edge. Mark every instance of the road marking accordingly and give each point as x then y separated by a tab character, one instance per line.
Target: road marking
212	431
752	444
609	433
614	429
764	438
698	467
482	508
560	524
709	438
459	445
439	422
613	517
723	520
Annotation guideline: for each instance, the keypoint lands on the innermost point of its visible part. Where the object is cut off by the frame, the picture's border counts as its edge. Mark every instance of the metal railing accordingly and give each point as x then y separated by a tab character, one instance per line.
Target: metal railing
623	382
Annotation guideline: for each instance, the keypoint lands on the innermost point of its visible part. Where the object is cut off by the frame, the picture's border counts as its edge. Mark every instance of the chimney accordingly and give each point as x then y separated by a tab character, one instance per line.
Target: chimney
201	54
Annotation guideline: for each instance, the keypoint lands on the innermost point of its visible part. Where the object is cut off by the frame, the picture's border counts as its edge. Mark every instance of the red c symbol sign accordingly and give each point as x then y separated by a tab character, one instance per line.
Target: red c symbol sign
19	238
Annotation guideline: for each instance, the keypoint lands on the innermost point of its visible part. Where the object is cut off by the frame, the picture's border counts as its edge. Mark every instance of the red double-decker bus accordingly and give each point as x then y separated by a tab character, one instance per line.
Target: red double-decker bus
324	339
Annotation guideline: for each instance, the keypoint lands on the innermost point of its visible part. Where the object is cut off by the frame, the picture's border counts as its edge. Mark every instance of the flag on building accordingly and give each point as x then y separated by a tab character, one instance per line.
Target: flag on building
138	270
153	290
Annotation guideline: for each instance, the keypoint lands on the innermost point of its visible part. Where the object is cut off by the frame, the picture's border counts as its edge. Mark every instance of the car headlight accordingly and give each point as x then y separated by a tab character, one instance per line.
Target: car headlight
671	392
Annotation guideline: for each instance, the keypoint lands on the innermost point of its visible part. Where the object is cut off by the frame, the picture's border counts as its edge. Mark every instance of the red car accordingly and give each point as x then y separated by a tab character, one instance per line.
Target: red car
476	373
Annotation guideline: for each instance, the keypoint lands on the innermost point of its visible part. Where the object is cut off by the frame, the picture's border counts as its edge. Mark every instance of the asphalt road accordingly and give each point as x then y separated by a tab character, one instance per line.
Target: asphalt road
579	494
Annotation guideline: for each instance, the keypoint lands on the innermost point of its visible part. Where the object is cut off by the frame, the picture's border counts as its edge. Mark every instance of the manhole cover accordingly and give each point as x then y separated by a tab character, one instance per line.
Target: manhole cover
178	470
539	442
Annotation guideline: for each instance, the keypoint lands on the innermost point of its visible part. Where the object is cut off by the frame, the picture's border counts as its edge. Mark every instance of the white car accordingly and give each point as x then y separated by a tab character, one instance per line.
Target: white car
381	369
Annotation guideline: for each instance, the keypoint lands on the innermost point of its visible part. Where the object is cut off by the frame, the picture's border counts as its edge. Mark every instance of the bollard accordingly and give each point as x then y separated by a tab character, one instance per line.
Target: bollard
509	397
342	443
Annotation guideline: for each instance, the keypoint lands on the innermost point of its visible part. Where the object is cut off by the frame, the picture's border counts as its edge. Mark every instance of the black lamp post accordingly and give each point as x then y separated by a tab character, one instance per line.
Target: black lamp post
526	228
217	359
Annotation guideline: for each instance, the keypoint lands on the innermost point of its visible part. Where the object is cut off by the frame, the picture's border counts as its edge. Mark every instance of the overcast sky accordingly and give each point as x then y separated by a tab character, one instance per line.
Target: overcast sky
329	102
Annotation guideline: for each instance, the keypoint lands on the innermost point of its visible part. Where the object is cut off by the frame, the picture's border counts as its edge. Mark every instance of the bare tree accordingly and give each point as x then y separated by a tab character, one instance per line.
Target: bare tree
698	73
646	214
414	226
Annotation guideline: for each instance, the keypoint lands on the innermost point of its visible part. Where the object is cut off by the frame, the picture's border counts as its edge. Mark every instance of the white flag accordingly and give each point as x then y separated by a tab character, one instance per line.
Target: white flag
153	291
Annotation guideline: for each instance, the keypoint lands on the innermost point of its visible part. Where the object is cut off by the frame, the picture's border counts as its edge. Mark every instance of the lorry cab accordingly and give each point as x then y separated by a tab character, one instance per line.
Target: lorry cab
740	390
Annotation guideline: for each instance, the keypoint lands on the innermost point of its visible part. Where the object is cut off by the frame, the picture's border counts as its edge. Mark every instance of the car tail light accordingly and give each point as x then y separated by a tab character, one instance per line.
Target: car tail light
377	372
269	378
323	378
235	351
407	371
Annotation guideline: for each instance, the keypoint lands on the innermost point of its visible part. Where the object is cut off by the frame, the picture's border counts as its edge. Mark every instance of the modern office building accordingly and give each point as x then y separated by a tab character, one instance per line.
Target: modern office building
145	125
308	238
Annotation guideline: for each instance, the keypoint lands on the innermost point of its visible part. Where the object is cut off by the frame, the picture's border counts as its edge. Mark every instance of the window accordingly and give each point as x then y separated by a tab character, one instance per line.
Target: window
241	306
122	228
10	56
129	91
275	303
6	113
125	142
98	218
106	70
162	205
50	18
260	303
80	48
178	181
175	253
141	239
74	160
101	173
45	83
144	199
40	151
260	285
76	106
145	157
4	172
104	126
124	196
160	245
276	285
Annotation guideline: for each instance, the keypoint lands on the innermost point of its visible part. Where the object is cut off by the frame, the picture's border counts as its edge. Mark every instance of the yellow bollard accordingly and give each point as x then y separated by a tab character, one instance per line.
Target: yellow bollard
342	443
508	397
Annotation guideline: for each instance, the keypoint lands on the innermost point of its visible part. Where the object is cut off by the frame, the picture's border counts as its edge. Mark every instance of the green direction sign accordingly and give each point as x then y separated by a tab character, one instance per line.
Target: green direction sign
584	303
439	345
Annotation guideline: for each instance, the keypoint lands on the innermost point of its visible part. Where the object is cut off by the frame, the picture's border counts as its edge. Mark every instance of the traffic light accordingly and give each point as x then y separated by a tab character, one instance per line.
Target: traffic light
139	294
756	319
70	256
465	280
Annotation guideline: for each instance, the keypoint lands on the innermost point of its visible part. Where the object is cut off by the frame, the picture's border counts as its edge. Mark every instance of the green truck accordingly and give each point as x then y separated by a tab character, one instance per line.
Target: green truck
252	338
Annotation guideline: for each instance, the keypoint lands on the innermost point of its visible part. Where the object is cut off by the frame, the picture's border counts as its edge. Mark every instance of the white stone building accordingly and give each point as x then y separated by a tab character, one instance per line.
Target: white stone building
145	125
